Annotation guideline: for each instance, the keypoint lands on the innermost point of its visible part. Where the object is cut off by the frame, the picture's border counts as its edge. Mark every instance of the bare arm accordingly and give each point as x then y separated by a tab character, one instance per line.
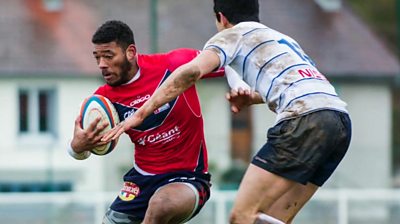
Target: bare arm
181	79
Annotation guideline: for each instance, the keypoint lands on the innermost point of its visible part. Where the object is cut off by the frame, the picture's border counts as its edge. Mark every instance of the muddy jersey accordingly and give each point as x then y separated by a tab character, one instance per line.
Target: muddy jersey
172	138
274	65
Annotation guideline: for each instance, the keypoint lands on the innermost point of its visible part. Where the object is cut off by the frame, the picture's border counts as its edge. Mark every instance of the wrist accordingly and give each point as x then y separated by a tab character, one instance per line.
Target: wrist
77	155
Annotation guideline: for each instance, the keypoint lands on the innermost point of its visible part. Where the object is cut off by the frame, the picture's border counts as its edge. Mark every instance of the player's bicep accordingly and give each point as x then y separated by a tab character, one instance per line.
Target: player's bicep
206	62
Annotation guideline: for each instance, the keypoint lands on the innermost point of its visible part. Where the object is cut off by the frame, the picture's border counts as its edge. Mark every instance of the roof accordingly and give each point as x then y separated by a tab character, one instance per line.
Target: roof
36	41
339	42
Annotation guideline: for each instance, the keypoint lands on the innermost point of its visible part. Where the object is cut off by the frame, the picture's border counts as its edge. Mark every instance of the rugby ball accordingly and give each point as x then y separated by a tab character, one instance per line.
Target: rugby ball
99	106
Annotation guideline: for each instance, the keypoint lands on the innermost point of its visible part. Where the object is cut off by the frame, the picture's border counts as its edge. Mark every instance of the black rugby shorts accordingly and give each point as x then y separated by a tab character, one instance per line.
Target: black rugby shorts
307	148
137	190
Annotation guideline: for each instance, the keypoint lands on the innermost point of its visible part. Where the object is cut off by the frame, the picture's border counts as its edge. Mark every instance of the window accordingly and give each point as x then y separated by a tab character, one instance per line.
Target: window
36	111
23	111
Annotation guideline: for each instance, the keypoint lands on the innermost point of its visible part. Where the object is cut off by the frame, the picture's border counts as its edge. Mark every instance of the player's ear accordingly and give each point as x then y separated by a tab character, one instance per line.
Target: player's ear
131	52
223	20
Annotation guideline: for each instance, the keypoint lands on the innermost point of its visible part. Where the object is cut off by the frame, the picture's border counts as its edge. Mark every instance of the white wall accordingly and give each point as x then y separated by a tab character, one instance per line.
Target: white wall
8	117
87	172
216	115
41	159
368	161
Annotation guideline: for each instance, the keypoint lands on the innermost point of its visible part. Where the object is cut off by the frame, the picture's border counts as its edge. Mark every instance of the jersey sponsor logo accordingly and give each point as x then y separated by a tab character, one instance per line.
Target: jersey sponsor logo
161	137
162	108
129	191
139	99
311	73
128	113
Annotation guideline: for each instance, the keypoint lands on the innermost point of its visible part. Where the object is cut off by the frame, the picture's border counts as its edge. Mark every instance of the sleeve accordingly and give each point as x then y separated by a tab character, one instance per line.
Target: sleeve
78	156
234	80
218	73
180	57
226	44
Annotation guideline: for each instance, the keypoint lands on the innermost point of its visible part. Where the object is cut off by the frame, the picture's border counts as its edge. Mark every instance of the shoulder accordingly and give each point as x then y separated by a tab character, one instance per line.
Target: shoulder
171	60
102	90
225	37
181	56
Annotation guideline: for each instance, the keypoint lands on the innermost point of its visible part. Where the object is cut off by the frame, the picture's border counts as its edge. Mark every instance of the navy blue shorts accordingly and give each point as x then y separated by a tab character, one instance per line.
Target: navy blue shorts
138	189
307	148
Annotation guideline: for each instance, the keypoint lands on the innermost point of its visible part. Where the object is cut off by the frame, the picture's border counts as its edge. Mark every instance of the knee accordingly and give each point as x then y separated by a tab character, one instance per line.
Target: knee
158	208
238	218
113	217
233	217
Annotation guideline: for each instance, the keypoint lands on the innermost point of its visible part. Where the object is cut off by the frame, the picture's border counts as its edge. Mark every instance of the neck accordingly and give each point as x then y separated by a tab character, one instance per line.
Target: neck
134	69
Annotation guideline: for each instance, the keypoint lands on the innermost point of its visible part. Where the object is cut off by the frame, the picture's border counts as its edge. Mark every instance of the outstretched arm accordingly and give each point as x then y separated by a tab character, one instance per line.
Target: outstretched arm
180	80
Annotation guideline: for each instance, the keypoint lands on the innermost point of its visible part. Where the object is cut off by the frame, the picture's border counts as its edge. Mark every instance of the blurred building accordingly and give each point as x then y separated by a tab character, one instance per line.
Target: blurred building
47	69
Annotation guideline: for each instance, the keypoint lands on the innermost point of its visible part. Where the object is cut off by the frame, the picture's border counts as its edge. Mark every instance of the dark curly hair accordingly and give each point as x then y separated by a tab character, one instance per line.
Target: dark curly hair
114	30
237	11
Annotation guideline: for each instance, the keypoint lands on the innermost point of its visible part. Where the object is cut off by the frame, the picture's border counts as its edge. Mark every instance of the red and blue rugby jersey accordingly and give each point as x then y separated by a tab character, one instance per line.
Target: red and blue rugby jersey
172	138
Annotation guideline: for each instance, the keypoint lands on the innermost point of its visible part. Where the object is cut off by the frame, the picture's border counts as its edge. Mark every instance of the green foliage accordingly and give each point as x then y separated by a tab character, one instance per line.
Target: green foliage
382	16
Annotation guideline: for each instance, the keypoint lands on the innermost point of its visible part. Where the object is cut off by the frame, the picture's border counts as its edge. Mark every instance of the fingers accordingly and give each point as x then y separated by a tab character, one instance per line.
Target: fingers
234	109
114	133
92	127
101	127
78	121
243	92
235	93
131	122
100	143
239	98
228	96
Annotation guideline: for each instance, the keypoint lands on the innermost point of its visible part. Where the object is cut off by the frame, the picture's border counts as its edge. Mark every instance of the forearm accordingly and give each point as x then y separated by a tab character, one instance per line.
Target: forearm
180	80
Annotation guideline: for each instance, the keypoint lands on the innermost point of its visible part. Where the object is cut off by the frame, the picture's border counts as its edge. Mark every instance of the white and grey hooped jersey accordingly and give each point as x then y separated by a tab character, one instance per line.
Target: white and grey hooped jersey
274	65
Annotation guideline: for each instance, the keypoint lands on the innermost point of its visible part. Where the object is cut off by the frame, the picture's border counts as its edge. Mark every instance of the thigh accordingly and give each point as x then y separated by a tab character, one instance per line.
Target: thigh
258	191
172	203
289	204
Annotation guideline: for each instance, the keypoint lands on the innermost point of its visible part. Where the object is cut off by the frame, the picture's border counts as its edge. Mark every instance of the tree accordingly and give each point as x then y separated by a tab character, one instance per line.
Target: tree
383	16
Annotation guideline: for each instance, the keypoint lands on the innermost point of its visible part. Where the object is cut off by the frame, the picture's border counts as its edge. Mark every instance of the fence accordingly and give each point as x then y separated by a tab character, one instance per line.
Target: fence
341	206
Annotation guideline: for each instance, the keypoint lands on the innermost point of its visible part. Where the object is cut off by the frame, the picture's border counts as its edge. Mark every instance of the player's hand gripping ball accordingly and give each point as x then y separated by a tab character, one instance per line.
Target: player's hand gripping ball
99	106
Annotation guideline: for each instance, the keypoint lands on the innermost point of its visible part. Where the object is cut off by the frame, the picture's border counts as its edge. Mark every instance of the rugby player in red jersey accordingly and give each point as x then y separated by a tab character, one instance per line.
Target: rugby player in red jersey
169	181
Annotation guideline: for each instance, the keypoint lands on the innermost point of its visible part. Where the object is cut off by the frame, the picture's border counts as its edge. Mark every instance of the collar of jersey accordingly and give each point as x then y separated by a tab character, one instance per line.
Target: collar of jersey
250	24
135	77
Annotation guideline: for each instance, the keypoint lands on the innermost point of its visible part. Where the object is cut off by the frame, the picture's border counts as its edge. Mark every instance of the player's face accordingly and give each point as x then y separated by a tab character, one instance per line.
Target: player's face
113	63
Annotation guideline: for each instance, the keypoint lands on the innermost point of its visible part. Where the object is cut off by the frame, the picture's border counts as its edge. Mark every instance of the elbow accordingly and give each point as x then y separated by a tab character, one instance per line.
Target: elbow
189	76
194	74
